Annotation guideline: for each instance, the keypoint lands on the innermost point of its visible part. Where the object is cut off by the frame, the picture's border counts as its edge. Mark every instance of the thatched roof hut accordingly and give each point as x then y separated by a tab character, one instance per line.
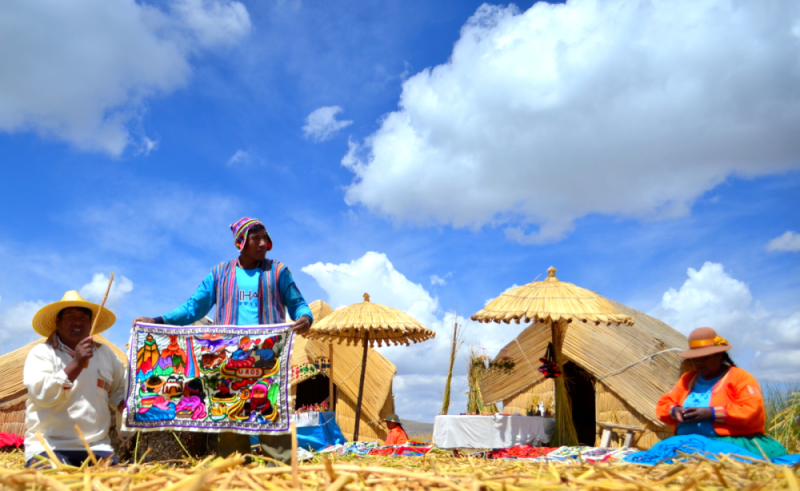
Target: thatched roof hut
14	395
345	365
605	382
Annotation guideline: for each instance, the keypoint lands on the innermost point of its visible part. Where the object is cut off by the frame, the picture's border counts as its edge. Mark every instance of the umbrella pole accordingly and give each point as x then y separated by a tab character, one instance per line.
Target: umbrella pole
564	433
361	386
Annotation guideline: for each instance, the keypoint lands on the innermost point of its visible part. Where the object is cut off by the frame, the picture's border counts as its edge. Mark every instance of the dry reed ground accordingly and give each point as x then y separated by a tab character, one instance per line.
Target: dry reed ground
433	472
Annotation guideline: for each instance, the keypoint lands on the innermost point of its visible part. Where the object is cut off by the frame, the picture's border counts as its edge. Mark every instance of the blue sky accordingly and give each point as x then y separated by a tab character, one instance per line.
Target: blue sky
431	153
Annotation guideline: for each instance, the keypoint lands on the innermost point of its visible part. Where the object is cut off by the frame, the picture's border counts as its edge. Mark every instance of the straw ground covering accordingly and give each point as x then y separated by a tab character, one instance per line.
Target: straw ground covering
437	471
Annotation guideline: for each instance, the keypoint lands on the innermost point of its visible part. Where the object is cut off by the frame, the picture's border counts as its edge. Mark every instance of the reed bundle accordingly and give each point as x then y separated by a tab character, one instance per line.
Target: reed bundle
437	471
476	368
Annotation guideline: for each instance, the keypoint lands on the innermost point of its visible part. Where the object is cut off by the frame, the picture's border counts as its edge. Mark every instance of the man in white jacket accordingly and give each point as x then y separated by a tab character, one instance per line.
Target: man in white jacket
71	380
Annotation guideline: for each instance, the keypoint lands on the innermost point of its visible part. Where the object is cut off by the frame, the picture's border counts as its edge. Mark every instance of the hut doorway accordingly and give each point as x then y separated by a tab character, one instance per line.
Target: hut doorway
311	391
580	386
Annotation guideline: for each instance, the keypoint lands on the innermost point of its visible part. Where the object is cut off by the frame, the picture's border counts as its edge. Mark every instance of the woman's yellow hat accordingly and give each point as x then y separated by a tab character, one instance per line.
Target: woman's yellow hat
44	322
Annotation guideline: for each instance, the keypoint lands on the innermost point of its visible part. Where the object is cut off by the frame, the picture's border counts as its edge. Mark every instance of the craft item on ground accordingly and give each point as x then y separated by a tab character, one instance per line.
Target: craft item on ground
520	452
410	449
10	440
209	378
356	448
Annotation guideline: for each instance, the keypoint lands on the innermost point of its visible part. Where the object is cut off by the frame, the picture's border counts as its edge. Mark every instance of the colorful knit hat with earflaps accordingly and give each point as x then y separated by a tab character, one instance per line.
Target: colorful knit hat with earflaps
241	227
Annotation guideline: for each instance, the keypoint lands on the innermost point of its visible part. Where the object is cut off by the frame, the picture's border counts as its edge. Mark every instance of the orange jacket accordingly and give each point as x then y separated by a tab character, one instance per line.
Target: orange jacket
397	436
736	404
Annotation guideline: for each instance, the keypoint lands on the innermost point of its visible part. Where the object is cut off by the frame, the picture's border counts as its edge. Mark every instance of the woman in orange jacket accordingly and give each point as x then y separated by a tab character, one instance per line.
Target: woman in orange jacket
717	399
397	435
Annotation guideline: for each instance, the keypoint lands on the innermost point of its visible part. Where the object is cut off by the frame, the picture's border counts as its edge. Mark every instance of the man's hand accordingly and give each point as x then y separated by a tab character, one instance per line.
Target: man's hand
121	406
145	320
84	351
697	414
302	325
677	413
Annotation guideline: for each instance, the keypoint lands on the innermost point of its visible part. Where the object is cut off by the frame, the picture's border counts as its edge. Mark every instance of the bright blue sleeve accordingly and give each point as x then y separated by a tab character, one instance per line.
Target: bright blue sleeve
196	307
292	297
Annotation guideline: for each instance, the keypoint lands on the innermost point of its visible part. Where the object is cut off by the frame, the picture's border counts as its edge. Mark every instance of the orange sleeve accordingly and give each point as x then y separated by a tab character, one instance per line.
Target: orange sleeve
743	411
671	399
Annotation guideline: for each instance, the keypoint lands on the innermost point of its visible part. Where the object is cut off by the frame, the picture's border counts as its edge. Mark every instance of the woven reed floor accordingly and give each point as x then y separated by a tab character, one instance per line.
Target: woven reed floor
433	472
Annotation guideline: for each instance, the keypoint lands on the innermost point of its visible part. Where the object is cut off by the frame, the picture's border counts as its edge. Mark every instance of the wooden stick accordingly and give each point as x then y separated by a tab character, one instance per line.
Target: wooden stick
100	310
295	476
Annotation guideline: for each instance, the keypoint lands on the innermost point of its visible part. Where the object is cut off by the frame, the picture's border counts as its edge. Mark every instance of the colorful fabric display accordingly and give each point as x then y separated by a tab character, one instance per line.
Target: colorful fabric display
669	450
409	449
209	378
354	448
549	366
520	452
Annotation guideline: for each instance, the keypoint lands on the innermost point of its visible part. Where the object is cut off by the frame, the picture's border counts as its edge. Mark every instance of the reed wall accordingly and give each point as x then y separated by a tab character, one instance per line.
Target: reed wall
613	409
541	391
369	430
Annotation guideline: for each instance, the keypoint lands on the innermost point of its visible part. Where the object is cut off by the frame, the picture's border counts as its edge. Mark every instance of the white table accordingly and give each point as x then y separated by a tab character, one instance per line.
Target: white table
494	431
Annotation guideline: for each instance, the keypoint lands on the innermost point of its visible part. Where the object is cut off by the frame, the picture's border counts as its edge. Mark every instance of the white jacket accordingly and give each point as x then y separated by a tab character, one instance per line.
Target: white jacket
55	405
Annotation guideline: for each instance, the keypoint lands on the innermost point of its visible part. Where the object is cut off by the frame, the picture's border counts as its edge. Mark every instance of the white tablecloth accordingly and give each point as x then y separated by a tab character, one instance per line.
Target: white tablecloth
495	431
305	419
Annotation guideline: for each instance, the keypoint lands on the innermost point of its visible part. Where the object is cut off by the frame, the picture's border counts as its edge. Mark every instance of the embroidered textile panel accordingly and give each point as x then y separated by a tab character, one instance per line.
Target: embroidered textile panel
209	378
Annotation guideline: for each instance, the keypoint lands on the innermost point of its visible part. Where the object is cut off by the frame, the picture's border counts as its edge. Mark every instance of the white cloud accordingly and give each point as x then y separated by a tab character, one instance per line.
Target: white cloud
16	328
422	367
438	281
214	22
790	241
240	158
81	71
615	107
322	124
96	289
147	145
712	298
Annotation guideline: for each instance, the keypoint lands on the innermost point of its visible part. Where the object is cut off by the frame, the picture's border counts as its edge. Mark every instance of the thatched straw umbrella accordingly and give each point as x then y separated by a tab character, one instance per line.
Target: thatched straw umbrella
557	303
366	323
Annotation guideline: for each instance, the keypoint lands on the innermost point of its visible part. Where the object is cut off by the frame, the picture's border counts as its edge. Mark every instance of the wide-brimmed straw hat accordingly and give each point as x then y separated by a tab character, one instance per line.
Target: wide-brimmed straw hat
44	322
704	341
392	418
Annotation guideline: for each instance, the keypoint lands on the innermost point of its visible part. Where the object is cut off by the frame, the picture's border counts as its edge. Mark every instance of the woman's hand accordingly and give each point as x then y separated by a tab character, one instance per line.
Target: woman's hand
697	414
677	413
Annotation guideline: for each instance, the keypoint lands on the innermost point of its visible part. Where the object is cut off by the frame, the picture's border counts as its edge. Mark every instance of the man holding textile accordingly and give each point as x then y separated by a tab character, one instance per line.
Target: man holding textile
71	380
250	290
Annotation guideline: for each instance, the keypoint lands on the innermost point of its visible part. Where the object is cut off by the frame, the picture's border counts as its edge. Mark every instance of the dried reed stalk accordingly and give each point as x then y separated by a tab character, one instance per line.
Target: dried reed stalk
437	471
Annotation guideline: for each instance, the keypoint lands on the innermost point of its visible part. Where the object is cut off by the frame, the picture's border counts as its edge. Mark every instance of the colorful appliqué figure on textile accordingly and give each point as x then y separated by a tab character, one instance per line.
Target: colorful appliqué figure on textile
210	378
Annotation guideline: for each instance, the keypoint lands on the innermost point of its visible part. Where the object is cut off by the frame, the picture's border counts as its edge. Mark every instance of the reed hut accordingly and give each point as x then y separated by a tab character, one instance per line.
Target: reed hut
329	372
14	395
605	376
